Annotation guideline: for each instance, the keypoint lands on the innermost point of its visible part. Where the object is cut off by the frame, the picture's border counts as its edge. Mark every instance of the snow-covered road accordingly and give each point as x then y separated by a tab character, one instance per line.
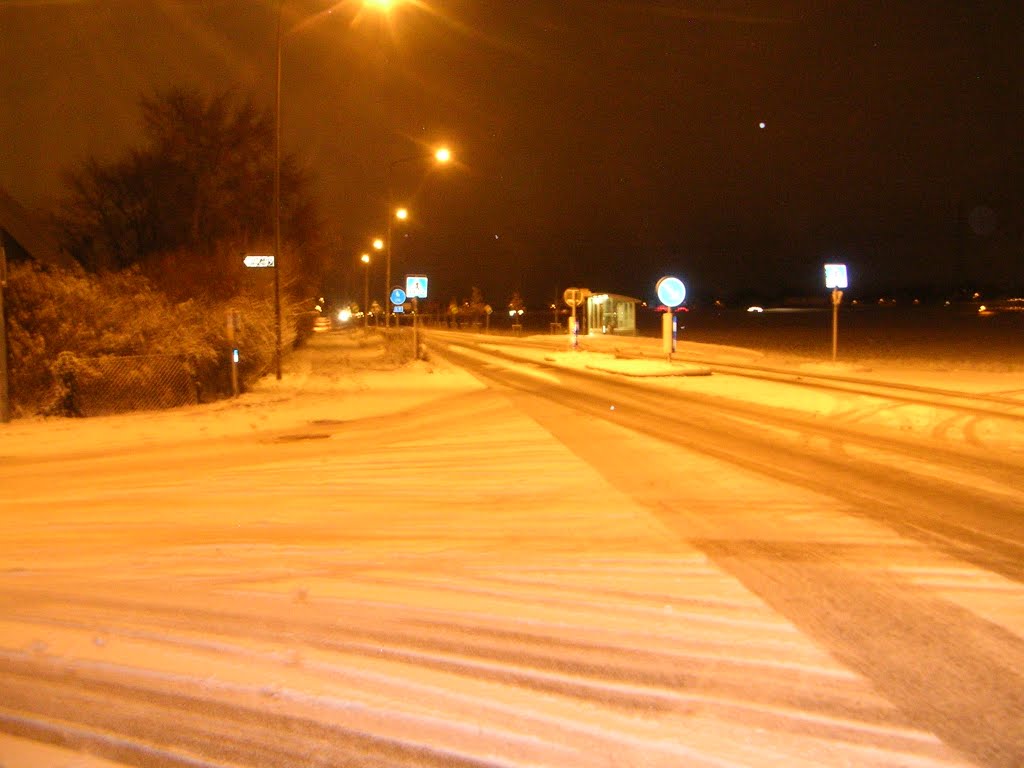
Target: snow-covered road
359	567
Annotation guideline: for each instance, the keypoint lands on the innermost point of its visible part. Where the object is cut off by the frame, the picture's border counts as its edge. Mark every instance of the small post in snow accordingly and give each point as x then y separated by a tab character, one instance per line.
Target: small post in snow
232	327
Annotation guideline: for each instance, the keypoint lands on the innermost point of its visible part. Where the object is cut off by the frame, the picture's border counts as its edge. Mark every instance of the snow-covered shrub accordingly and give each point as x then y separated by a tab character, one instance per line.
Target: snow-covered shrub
60	322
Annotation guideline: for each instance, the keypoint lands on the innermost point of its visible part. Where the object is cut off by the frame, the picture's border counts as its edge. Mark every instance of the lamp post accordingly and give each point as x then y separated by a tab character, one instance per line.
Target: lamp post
365	258
382	6
277	198
441	156
402	214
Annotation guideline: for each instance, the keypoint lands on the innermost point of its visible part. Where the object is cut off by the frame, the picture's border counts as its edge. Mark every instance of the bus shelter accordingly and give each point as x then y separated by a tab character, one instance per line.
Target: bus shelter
612	314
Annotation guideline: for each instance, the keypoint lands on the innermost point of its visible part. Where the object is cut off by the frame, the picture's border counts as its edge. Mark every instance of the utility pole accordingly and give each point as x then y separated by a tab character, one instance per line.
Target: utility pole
277	198
5	400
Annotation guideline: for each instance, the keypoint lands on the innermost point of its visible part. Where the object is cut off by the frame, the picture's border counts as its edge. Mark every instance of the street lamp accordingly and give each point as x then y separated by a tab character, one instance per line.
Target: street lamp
401	214
277	198
441	156
384	6
365	258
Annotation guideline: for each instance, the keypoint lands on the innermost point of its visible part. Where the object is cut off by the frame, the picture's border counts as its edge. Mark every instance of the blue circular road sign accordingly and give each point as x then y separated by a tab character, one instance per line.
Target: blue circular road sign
397	296
671	291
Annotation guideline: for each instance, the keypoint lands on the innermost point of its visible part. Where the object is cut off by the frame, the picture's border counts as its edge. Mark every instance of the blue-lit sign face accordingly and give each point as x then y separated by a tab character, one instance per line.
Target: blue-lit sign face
835	276
397	296
416	286
671	291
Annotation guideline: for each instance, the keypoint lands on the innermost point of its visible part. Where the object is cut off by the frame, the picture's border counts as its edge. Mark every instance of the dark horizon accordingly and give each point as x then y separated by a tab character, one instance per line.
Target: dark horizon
737	145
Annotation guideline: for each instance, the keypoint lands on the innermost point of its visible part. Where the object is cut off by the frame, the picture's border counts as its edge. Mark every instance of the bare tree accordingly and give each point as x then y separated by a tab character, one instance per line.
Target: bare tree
196	195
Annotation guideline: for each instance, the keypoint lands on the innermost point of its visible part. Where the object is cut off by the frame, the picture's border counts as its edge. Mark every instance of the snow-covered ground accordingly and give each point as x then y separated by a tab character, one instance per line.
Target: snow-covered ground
406	554
361	392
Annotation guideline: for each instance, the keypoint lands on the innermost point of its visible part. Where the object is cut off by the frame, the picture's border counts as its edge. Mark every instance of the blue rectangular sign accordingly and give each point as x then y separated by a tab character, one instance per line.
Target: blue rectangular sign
835	276
416	286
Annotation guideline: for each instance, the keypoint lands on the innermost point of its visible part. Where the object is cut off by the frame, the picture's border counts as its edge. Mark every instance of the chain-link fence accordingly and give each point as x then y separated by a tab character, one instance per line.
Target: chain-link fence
104	385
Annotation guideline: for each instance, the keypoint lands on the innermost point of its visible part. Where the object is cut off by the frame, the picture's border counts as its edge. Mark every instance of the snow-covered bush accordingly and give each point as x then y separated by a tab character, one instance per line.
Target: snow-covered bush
58	321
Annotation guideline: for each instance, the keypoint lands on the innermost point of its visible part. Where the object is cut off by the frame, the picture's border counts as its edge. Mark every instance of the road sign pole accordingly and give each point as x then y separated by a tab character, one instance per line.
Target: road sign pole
667	341
837	296
574	297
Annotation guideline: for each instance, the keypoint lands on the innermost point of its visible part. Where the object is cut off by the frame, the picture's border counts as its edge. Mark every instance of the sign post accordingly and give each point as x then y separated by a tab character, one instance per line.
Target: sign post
671	292
398	297
574	297
416	288
835	278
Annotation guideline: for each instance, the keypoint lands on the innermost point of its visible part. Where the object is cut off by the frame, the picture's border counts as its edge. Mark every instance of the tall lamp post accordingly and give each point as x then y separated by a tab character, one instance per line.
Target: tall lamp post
277	198
384	6
365	258
401	214
441	156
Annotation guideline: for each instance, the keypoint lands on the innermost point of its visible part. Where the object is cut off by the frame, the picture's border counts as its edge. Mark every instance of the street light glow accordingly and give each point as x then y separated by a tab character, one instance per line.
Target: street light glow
443	155
378	244
365	258
402	214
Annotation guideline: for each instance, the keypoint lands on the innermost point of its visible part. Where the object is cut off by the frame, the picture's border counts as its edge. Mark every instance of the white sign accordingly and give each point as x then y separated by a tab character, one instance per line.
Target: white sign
671	291
416	286
259	261
835	276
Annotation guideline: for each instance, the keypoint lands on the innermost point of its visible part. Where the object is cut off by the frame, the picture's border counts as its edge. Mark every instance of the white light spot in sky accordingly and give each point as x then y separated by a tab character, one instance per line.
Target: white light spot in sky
762	125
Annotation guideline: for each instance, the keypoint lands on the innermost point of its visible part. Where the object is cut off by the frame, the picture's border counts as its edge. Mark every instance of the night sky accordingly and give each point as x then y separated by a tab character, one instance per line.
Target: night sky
599	143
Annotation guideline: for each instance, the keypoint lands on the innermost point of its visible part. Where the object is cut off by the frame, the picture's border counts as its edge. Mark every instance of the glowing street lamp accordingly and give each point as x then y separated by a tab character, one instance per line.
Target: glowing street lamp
383	6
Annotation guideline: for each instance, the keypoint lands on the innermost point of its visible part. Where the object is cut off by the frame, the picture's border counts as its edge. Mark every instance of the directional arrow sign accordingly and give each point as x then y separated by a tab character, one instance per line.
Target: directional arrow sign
259	261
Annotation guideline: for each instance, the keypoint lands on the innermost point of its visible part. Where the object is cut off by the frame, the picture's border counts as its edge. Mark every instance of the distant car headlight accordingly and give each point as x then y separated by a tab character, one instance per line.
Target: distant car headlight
755	308
345	315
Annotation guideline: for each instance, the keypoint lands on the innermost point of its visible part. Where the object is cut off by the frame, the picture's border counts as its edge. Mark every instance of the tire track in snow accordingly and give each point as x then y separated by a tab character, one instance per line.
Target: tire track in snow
495	664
